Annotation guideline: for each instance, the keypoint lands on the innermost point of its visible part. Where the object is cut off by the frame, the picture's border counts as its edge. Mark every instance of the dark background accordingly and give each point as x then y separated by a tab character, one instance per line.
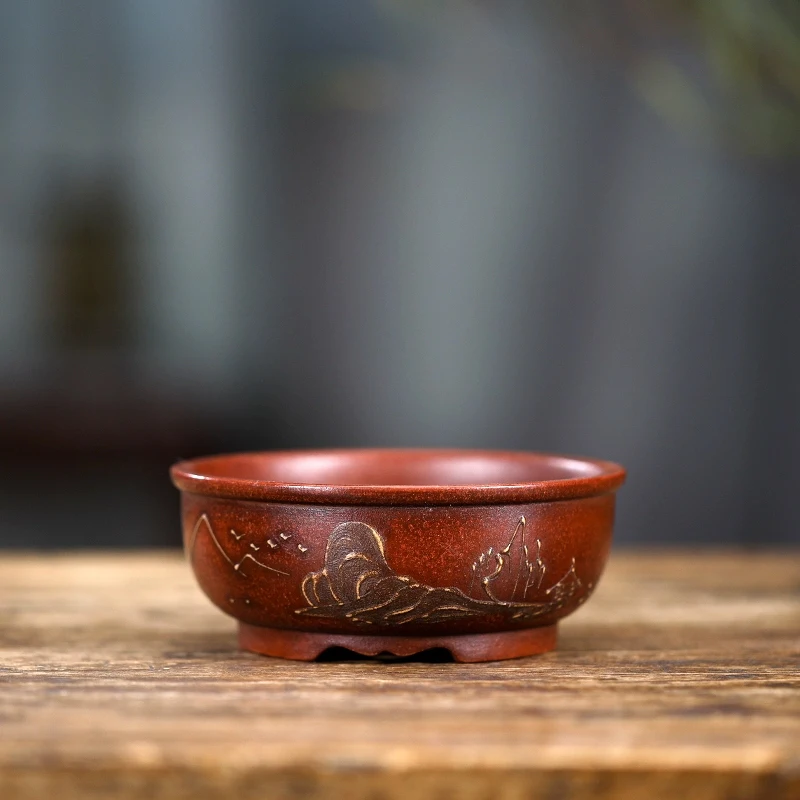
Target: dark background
231	225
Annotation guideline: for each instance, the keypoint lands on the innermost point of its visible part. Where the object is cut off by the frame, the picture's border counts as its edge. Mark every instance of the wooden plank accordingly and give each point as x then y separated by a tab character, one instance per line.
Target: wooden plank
681	677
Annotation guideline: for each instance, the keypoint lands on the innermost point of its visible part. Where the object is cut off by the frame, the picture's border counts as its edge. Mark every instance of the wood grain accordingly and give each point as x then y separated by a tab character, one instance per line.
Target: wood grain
680	678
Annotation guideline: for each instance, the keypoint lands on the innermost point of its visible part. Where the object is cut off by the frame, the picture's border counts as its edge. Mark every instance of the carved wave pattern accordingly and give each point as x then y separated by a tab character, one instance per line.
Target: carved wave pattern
357	584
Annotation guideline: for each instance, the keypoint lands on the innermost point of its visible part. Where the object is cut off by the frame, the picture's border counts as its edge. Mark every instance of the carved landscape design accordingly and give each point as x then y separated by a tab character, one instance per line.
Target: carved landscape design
251	556
357	584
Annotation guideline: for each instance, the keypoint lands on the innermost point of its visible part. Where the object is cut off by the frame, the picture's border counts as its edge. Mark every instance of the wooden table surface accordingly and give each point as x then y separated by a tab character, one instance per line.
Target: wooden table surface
679	679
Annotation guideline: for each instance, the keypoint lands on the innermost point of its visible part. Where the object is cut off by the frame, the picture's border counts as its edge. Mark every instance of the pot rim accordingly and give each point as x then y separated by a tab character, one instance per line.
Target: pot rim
575	477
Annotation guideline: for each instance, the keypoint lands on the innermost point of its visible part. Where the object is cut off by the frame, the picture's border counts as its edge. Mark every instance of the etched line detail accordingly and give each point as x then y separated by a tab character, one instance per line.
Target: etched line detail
203	523
356	583
512	572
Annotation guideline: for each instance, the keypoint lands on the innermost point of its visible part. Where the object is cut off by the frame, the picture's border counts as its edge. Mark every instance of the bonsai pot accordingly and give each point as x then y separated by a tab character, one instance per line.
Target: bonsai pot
397	551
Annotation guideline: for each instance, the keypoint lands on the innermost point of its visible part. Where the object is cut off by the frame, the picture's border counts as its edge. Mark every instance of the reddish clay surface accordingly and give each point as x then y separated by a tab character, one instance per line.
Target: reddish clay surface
466	648
397	550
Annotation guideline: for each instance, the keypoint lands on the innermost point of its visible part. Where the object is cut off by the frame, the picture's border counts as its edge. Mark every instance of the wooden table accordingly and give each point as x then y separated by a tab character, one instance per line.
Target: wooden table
679	679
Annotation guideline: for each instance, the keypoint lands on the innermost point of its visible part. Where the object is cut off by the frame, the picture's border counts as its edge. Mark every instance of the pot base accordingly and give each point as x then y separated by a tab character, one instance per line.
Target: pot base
467	648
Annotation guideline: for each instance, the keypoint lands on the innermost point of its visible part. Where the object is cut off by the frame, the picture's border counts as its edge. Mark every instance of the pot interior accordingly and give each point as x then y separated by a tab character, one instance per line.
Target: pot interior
396	468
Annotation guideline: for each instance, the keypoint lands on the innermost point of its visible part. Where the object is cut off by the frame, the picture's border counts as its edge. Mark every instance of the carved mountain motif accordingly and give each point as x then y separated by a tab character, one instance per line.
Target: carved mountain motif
356	583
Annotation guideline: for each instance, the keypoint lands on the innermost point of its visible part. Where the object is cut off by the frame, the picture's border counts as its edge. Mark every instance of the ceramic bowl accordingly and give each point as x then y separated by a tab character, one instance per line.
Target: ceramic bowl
397	551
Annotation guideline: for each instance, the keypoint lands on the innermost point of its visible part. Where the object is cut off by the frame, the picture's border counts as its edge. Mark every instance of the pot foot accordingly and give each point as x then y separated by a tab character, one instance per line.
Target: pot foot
466	648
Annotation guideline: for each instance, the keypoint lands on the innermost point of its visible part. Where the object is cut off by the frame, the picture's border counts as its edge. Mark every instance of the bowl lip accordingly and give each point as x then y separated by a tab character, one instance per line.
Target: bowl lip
188	476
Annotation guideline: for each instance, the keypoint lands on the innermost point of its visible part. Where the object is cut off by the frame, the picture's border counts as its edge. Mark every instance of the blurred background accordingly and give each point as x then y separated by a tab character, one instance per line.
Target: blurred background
566	226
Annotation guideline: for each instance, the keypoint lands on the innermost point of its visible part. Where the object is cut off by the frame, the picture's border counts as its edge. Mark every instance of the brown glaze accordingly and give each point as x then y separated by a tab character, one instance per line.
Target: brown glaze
397	550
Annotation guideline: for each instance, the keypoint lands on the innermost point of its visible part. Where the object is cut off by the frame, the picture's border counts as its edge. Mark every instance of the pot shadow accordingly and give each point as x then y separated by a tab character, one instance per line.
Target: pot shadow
434	655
